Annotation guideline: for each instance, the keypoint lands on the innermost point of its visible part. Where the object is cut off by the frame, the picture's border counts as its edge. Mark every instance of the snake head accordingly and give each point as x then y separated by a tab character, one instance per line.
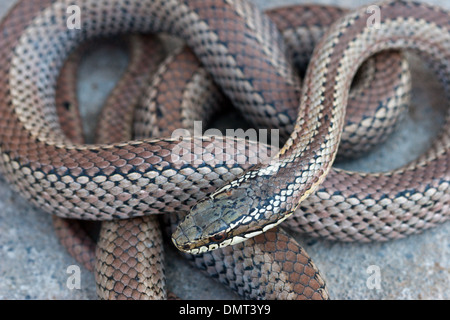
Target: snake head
232	214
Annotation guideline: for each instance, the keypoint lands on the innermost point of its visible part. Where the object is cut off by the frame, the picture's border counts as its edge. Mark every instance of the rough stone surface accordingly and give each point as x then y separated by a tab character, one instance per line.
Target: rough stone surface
34	265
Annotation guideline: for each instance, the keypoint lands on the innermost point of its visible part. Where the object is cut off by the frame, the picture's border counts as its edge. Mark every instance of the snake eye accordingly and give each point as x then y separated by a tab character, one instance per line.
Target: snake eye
218	237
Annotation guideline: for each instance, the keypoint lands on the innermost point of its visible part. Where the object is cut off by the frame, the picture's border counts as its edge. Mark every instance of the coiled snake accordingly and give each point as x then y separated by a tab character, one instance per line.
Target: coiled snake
63	177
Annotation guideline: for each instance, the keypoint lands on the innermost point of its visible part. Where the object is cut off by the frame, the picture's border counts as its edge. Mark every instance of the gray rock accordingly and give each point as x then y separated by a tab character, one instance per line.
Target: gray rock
35	266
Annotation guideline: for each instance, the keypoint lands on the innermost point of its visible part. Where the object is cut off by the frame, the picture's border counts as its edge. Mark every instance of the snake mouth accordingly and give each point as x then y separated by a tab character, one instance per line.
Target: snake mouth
220	239
217	241
198	244
187	247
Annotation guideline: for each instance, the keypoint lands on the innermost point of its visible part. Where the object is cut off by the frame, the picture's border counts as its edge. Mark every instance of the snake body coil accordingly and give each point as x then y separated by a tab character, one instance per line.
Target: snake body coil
123	180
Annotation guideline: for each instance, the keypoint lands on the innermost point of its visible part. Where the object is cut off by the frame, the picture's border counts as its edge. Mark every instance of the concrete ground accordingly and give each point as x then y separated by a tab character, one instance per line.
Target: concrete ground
34	265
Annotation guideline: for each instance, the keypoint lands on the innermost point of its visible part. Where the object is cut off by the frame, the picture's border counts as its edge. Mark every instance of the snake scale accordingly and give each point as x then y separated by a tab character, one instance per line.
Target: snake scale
52	172
196	85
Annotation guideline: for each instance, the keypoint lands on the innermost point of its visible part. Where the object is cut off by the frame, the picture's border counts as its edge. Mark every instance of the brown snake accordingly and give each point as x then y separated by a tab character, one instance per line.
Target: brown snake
33	148
197	86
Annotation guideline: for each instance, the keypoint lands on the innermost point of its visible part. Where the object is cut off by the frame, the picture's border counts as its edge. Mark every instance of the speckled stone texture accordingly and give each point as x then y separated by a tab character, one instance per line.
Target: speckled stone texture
35	266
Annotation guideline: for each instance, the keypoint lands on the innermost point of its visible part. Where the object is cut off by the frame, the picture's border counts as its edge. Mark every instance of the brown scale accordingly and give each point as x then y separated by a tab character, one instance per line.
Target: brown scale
115	261
107	288
62	156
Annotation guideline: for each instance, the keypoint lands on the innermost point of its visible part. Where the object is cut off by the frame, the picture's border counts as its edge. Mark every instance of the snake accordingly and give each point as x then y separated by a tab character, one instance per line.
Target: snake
111	244
39	161
375	214
115	267
139	234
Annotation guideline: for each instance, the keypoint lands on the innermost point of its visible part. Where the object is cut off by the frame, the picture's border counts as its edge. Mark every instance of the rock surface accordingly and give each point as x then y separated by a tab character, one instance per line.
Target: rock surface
35	266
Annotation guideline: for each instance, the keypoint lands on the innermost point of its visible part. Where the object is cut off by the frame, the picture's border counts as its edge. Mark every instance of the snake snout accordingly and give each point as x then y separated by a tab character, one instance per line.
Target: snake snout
186	234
